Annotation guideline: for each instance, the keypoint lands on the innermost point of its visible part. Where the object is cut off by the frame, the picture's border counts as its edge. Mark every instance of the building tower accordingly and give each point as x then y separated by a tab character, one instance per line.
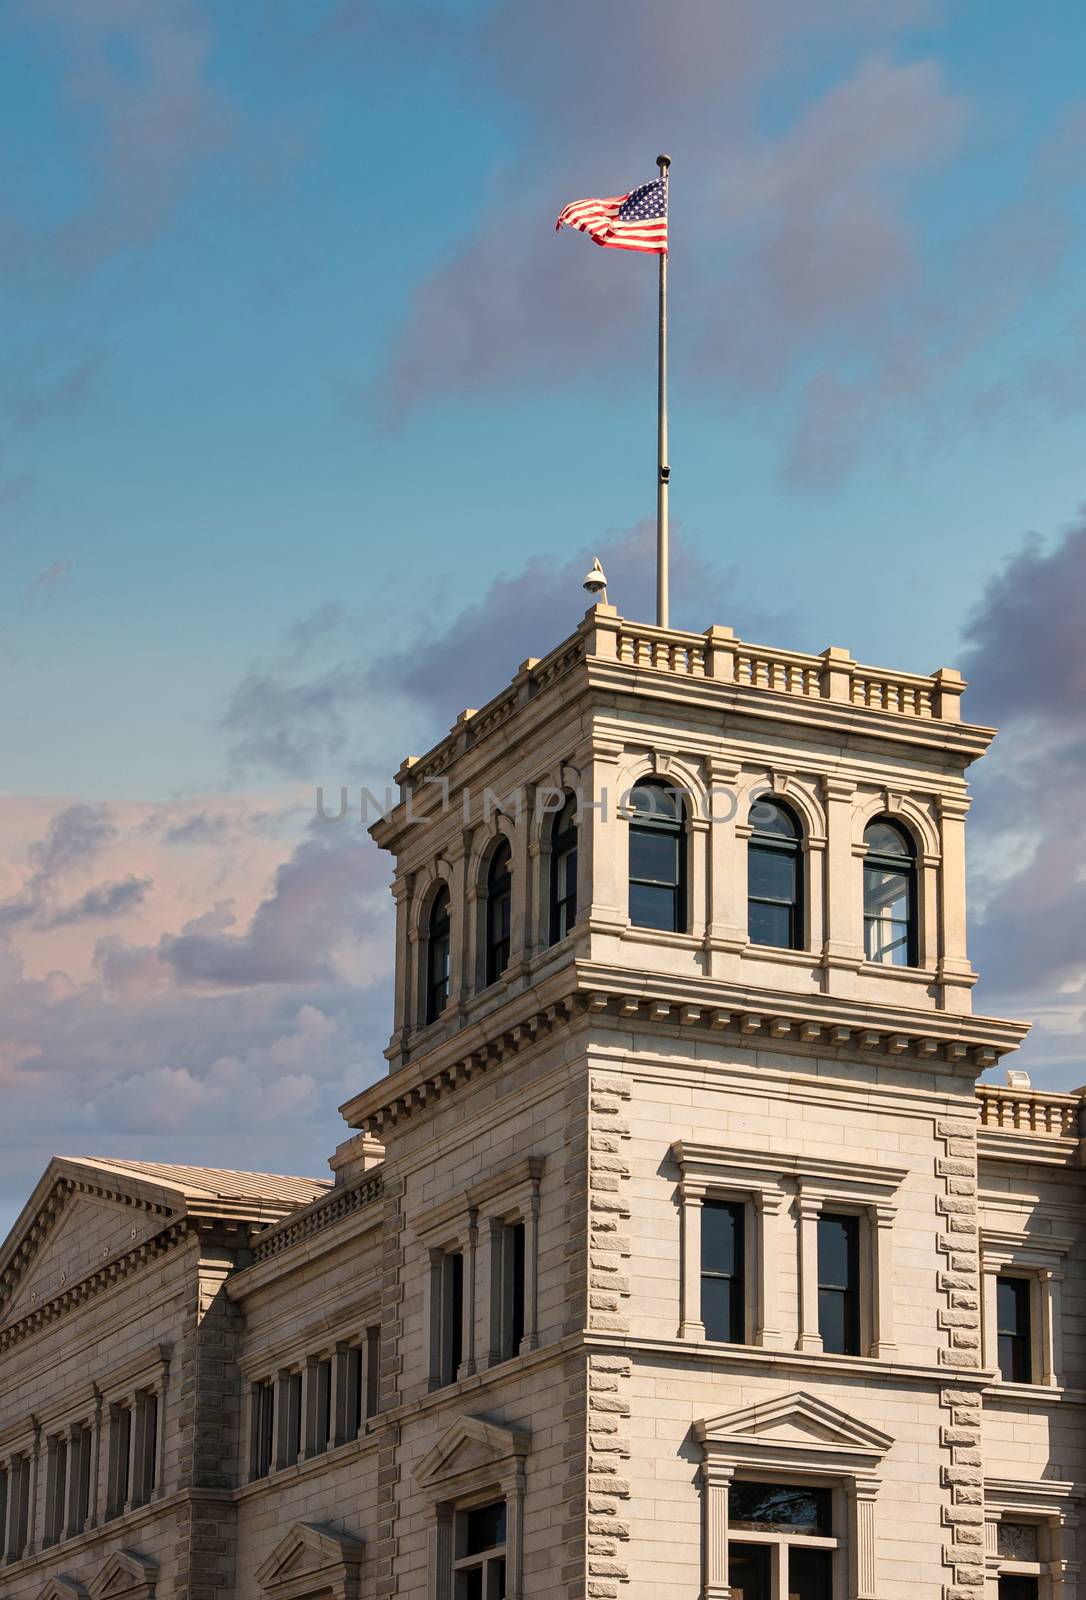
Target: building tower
681	1128
677	1255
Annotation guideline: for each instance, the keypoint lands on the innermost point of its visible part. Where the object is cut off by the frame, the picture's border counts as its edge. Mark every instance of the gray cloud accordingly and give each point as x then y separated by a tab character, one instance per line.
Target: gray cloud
201	829
294	713
1026	662
73	838
332	888
102	901
775	239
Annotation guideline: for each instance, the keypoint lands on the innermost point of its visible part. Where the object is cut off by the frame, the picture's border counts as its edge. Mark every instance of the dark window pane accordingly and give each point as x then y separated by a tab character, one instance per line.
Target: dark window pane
469	1585
835	1251
781	1507
1018	1586
810	1574
452	1316
748	1571
721	1237
654	907
516	1266
655	801
770	924
1012	1305
717	1309
654	857
485	1528
496	1579
373	1371
1014	1328
838	1284
772	874
294	1415
884	839
833	1322
767	816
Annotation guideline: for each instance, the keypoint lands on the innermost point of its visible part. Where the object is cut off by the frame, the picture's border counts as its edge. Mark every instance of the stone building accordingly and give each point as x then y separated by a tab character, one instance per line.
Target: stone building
677	1255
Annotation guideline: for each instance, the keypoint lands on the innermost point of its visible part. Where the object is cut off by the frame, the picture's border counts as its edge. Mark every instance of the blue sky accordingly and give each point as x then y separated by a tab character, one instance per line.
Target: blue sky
294	369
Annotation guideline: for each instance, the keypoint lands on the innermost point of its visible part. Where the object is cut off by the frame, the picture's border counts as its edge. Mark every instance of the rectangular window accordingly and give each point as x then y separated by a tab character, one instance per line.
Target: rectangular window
839	1284
1014	1329
357	1382
20	1507
82	1507
294	1419
373	1371
479	1563
1019	1586
723	1252
452	1316
512	1289
781	1508
121	1440
786	1545
263	1427
56	1488
323	1429
145	1447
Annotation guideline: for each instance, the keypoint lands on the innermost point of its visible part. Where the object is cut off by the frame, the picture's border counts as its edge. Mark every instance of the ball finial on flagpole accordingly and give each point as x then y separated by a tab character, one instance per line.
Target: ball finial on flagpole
663	162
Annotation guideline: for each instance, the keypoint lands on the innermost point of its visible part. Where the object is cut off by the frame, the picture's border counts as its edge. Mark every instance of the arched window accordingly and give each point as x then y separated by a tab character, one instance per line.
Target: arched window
774	877
499	906
890	929
437	956
657	858
564	871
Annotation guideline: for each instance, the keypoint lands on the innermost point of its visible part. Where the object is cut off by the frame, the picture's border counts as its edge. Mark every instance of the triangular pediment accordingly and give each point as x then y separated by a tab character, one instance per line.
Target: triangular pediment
62	1588
311	1558
125	1572
794	1421
79	1215
471	1444
84	1232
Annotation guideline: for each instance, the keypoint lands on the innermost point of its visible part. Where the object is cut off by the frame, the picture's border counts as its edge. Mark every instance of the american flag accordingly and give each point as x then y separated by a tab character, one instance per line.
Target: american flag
634	221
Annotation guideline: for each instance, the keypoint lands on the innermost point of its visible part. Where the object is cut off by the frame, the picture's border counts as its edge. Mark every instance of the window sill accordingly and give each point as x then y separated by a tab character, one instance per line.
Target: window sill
676	941
776	952
876	969
1032	1393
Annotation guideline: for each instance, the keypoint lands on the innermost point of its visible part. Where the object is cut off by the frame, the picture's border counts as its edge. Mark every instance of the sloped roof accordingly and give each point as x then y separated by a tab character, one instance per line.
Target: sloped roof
171	1191
219	1182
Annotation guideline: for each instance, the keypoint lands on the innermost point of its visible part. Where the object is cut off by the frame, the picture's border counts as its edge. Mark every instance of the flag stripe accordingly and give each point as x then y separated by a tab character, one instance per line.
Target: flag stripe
633	221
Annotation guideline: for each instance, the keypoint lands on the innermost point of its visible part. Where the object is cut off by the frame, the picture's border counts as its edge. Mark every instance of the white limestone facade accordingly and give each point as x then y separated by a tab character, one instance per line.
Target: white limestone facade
678	1255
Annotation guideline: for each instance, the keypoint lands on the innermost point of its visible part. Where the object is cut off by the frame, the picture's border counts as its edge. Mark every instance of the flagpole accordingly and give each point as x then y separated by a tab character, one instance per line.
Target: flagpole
663	470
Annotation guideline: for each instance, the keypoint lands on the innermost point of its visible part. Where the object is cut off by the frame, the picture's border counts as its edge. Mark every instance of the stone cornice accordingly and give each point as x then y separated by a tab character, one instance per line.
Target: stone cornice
817	1023
714	670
